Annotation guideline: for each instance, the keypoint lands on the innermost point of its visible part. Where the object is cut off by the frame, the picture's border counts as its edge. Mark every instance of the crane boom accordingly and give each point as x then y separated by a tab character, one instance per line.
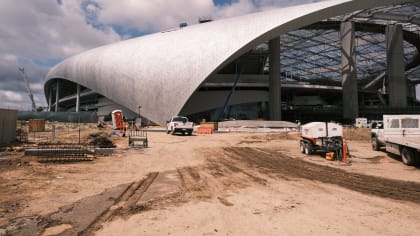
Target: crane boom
31	96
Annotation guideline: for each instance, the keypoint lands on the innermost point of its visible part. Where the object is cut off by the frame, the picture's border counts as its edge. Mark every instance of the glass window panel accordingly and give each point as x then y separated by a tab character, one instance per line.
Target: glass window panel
395	123
409	123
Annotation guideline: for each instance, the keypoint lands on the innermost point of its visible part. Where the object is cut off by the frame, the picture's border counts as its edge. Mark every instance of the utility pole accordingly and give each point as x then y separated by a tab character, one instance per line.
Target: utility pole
140	117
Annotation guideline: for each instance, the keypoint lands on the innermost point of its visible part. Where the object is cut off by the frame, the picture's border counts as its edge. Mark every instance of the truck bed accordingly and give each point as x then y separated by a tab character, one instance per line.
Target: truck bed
413	142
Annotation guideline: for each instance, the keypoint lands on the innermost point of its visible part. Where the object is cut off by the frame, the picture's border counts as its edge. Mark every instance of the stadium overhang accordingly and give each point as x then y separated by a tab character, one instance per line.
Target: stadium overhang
161	71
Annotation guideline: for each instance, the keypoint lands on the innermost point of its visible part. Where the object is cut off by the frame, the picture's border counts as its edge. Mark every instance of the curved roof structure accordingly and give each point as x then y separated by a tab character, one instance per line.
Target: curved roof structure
161	71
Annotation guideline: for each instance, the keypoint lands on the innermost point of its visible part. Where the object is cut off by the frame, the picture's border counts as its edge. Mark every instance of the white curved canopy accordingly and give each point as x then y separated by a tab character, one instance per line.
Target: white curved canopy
162	70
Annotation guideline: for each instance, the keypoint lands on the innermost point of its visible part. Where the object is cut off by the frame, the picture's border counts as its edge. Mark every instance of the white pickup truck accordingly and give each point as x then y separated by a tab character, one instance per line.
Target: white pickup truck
400	135
179	124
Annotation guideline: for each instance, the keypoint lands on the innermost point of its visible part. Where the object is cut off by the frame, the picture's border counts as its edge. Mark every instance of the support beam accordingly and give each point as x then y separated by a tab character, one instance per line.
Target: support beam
264	109
349	75
411	90
396	82
49	100
78	98
274	79
373	84
417	89
57	95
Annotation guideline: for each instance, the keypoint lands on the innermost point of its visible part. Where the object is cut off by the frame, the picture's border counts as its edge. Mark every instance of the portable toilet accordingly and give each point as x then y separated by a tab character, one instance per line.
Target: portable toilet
117	119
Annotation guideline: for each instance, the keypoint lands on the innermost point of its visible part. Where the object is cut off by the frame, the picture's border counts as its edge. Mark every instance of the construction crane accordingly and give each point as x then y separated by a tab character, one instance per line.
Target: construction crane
31	96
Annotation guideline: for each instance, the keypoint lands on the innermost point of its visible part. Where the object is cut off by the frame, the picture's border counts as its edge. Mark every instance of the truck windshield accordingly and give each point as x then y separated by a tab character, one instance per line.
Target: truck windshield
180	119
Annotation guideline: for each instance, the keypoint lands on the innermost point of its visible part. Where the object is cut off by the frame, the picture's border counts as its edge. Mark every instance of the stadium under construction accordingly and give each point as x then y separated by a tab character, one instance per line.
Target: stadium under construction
331	60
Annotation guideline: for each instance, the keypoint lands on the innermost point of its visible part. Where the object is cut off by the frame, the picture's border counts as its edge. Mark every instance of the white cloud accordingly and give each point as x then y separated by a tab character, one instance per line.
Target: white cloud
7	58
91	8
236	8
37	87
36	33
11	96
150	16
45	29
157	15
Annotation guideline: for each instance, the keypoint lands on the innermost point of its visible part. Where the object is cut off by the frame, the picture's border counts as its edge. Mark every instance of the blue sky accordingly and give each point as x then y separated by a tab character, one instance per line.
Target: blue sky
38	34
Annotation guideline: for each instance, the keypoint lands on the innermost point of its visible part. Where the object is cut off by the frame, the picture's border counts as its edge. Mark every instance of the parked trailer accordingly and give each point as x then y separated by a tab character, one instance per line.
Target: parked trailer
400	135
323	137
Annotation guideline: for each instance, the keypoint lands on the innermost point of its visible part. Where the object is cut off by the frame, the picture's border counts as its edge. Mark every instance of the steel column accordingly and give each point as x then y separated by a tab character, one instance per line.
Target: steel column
396	81
274	79
49	100
57	95
78	98
349	75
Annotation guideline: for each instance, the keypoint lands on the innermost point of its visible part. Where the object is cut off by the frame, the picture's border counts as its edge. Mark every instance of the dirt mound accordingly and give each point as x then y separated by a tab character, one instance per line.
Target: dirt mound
100	139
270	137
102	142
357	134
271	162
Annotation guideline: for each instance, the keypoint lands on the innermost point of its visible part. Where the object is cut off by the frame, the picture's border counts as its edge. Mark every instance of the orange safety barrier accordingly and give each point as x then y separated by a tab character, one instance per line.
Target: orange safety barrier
204	130
344	151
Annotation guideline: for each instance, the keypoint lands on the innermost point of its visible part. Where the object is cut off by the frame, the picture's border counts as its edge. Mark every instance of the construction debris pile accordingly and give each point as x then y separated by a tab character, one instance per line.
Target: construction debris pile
100	139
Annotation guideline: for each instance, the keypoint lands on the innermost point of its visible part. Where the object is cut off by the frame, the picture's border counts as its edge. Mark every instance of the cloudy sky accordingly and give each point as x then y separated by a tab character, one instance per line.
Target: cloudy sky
37	34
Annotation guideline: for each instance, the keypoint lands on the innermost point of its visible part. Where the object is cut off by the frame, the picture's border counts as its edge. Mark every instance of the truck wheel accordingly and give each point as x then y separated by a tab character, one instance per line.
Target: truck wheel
417	159
308	149
375	144
302	147
408	157
189	133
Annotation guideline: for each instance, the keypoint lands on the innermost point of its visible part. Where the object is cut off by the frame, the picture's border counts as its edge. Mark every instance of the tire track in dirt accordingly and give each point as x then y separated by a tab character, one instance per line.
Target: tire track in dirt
223	173
216	178
126	203
194	184
87	215
269	161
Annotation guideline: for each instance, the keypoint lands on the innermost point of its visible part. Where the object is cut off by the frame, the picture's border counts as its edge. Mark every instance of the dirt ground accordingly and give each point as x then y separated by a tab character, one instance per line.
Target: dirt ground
219	184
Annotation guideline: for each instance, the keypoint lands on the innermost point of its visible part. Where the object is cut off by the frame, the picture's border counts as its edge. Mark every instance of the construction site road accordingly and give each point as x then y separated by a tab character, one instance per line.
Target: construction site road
219	184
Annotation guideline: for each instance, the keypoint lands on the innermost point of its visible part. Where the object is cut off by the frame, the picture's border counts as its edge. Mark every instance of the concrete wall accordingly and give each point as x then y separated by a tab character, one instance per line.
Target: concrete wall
8	120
